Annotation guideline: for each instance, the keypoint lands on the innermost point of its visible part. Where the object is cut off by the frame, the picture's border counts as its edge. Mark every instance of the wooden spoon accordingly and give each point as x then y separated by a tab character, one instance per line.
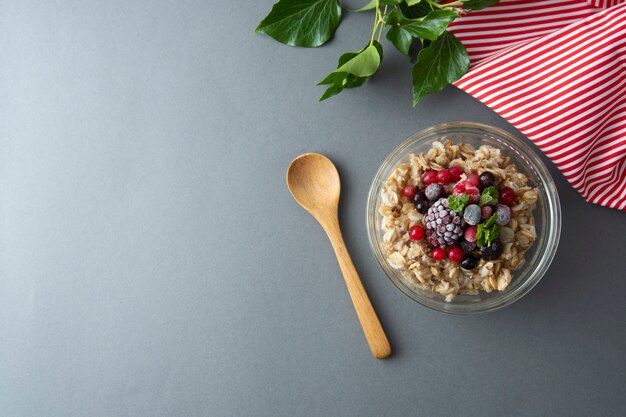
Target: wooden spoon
314	182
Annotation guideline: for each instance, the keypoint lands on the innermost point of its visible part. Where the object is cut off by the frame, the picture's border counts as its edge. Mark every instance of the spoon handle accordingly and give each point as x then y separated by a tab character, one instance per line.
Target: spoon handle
372	328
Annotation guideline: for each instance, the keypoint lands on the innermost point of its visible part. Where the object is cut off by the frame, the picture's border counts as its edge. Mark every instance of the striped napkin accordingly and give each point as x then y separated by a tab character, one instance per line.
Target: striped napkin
556	70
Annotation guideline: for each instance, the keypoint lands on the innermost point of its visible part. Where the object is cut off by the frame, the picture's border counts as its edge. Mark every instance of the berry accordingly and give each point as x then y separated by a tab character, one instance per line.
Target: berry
444	176
486	212
469	262
416	233
474	179
504	214
470	234
443	226
455	254
419	196
493	251
434	192
468	247
507	196
466	187
487	179
421	206
455	173
429	176
438	254
472	214
408	191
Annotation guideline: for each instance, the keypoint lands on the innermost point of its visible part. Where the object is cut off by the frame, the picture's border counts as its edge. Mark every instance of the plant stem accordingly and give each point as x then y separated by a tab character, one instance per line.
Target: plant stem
382	22
376	22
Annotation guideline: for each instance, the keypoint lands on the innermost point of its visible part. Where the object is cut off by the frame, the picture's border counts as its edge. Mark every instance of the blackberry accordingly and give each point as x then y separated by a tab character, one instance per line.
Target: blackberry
443	226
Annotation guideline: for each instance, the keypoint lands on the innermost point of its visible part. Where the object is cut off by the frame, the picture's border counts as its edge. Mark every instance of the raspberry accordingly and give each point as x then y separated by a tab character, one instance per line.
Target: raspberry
466	187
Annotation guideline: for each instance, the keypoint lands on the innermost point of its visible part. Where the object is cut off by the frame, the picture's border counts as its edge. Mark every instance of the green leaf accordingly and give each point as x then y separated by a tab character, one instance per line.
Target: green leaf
412	2
363	64
391	2
353	69
368	6
308	23
431	26
488	231
478	4
416	11
488	196
458	203
443	62
399	37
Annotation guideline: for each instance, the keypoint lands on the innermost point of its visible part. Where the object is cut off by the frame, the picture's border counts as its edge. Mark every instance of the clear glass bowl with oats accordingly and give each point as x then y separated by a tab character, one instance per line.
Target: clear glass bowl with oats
478	239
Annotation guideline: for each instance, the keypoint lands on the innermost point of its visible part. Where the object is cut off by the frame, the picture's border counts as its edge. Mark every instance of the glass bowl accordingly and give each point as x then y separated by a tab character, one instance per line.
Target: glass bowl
547	216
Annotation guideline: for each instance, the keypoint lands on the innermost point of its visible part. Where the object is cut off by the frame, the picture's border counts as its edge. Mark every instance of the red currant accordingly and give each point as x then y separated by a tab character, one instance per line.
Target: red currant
438	254
416	233
455	254
408	191
474	179
507	196
470	234
443	176
429	176
455	173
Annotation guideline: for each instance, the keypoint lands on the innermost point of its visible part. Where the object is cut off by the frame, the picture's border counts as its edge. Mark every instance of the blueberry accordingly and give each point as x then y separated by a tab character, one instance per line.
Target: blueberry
469	262
487	179
421	206
493	251
504	214
419	196
472	214
434	192
467	246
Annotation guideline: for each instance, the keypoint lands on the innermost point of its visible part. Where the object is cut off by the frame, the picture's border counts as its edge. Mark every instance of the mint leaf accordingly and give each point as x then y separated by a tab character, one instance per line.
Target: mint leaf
488	196
308	23
458	203
353	69
431	26
488	231
478	4
443	62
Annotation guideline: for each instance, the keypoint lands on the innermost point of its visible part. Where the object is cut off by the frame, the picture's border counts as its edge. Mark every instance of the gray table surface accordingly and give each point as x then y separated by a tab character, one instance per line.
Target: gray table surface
152	262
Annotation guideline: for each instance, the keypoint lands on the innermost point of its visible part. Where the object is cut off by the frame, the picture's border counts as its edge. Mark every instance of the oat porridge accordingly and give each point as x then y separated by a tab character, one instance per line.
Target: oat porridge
457	220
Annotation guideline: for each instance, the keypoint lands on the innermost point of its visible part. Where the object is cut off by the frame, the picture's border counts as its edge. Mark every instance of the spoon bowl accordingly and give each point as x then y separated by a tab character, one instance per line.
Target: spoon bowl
314	182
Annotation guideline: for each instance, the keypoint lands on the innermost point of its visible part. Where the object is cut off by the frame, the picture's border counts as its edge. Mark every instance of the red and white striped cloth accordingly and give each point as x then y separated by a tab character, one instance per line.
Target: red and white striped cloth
556	70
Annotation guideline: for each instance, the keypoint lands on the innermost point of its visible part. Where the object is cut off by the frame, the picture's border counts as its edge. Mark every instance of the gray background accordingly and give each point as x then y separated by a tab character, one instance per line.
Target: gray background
152	262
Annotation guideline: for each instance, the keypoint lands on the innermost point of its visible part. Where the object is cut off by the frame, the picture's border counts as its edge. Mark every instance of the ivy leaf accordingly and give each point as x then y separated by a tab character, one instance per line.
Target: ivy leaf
353	69
308	23
368	6
488	196
443	62
415	11
478	4
397	35
431	26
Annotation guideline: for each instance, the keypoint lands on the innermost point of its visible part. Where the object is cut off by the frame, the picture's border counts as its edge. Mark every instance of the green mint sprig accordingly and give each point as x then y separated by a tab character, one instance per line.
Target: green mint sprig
488	231
458	203
488	196
416	28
